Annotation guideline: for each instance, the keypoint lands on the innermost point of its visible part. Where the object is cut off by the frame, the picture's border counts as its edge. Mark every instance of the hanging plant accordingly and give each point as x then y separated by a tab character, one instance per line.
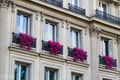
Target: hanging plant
108	61
54	47
79	54
26	41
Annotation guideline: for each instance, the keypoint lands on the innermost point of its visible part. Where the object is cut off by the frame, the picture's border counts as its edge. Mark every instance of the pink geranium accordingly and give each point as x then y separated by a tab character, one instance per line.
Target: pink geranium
26	41
79	54
54	47
108	61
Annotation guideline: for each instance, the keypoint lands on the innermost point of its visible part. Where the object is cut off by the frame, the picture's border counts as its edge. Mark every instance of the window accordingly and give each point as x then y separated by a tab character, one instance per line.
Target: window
22	71
106	79
76	2
75	38
103	7
23	23
50	31
51	74
106	46
76	76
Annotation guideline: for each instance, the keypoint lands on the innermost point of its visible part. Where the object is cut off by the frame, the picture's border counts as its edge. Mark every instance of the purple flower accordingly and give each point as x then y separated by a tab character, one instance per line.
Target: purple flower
79	54
26	41
108	61
54	47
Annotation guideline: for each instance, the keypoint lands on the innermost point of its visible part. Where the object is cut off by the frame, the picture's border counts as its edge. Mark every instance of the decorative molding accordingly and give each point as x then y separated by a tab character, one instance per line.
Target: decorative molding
42	15
37	13
67	24
94	31
4	4
118	39
86	30
63	23
13	7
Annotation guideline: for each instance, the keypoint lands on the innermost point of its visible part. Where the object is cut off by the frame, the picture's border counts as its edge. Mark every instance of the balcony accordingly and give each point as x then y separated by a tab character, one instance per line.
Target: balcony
58	3
70	52
102	61
76	9
15	39
107	17
46	47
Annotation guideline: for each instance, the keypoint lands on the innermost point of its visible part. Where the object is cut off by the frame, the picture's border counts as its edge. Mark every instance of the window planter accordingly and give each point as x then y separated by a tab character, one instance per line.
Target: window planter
102	61
71	54
46	47
15	39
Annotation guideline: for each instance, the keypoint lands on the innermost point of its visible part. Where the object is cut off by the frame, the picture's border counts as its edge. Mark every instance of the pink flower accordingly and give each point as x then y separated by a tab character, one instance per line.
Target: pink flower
108	61
54	47
26	41
79	54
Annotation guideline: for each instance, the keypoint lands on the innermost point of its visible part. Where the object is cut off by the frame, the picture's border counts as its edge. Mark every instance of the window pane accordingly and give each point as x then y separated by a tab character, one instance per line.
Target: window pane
23	72
23	24
18	24
52	76
16	76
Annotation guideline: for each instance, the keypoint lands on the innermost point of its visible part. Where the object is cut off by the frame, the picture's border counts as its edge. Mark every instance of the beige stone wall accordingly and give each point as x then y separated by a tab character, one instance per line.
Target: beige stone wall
92	30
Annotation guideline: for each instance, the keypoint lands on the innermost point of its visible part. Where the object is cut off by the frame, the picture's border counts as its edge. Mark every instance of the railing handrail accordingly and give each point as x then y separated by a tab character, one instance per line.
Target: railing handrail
107	13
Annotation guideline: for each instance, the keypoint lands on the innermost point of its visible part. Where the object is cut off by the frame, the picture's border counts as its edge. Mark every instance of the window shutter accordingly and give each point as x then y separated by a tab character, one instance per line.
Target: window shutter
80	39
110	47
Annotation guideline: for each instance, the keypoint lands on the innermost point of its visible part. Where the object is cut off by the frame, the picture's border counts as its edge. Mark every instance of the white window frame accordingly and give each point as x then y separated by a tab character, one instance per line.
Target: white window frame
54	35
28	27
76	2
73	75
109	47
27	76
100	7
79	37
48	73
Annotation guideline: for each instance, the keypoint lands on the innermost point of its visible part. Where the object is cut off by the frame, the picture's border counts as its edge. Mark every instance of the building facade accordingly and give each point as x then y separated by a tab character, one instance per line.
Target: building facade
90	26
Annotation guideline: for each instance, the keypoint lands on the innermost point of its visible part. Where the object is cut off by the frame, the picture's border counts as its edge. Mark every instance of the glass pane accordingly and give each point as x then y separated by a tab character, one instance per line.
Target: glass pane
23	72
25	24
16	73
46	75
76	77
18	24
52	75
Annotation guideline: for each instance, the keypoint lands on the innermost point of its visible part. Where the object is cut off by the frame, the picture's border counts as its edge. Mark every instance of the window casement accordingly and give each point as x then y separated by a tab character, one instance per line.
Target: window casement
23	23
106	46
103	7
76	2
22	71
106	79
51	32
75	38
51	74
76	76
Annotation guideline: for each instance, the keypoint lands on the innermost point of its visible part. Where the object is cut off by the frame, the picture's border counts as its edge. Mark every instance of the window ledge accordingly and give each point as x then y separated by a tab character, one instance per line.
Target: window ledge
15	47
46	54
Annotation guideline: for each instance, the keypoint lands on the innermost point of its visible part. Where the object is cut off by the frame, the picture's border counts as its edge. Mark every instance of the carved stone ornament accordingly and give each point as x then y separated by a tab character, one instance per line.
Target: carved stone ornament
94	31
118	39
67	24
42	15
4	4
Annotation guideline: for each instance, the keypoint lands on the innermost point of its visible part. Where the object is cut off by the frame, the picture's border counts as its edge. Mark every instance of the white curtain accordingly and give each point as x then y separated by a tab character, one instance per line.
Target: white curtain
110	47
73	39
103	48
48	32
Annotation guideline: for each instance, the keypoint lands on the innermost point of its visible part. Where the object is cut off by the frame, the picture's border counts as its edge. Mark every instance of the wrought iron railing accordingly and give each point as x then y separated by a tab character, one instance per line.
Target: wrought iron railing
58	3
107	17
15	39
70	53
76	9
46	47
102	61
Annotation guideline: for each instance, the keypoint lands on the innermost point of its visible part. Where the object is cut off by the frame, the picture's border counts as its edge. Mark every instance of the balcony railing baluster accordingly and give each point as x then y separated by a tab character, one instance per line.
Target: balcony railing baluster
58	3
107	17
76	9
